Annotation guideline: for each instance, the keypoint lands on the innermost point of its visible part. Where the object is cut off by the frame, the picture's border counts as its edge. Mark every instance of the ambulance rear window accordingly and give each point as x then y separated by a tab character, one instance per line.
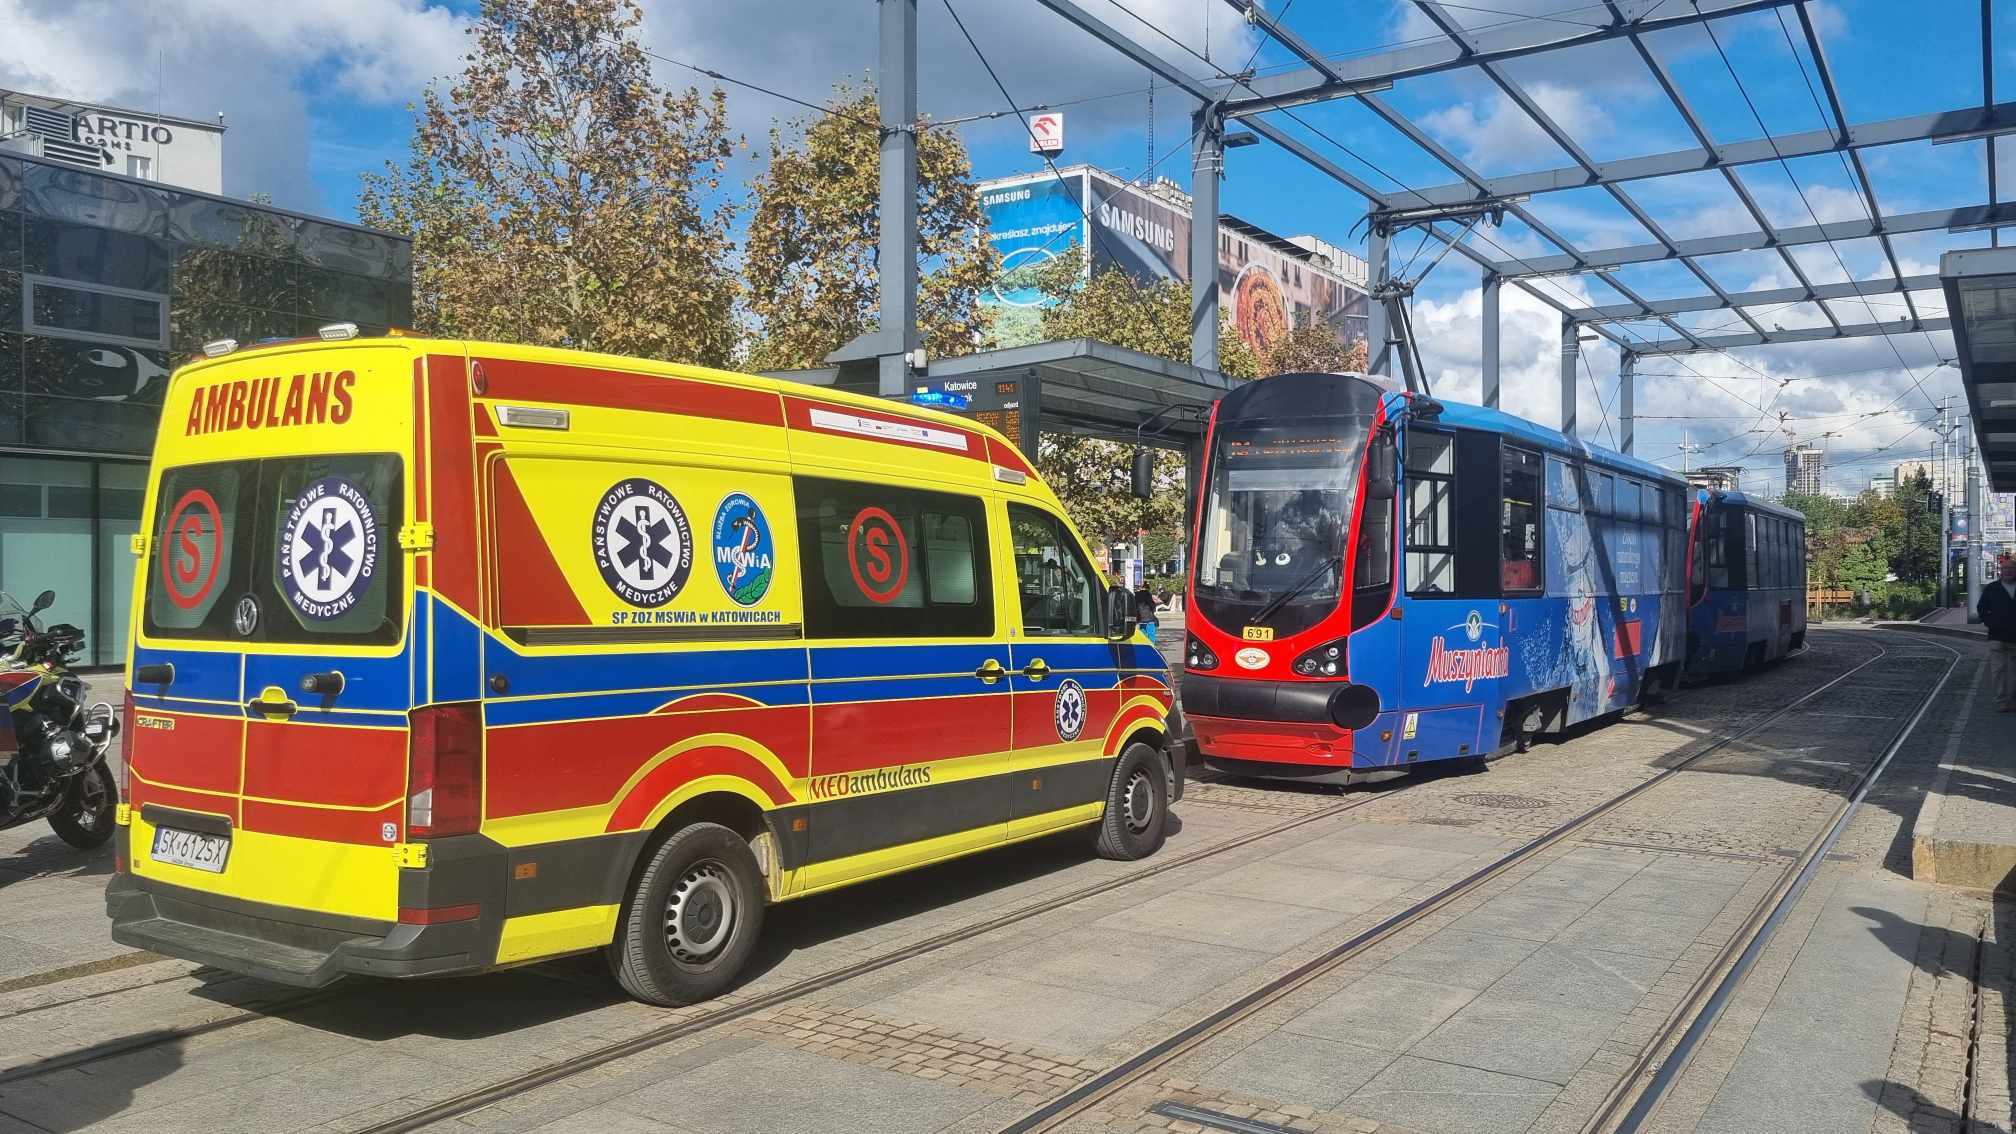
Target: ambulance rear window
286	549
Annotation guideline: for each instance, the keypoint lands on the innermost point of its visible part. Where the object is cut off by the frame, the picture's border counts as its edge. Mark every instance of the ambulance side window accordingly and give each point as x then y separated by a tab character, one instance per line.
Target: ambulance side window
884	562
1058	587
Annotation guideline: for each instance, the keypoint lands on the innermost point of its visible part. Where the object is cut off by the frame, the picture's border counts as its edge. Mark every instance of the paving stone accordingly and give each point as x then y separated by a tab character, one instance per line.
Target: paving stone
1002	1008
1522	916
1349	891
1423	1094
1582	978
1378	859
1150	970
1634	931
1300	1069
1224	919
801	1093
1536	1041
1460	958
1386	1013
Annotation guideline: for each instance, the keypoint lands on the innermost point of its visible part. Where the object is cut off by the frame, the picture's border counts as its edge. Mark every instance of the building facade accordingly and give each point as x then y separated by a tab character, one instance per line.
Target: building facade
1884	485
107	283
1267	283
106	139
1933	471
1718	478
1803	470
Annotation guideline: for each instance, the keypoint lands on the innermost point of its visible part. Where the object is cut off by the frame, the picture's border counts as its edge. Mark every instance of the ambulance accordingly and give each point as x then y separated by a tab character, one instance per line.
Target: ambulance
450	655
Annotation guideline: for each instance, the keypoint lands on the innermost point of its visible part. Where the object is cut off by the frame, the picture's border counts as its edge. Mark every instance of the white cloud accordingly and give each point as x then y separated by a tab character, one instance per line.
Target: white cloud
1506	136
258	64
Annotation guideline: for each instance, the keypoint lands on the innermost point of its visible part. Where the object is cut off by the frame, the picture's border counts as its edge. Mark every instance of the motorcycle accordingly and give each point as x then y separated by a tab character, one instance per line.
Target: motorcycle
52	746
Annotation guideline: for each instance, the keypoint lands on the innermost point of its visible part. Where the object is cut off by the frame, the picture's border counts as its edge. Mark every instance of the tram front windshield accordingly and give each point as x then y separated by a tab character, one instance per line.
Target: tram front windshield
1276	524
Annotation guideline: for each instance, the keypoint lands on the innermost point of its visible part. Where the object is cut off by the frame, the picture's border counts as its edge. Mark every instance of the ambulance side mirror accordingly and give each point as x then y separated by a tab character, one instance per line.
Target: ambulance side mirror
1144	473
1120	616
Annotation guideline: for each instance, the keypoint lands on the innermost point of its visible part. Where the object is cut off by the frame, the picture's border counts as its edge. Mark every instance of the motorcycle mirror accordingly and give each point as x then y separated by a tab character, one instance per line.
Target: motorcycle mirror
43	602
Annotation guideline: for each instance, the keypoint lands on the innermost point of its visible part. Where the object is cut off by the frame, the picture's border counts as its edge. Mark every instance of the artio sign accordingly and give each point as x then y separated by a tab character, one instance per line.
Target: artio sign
1046	133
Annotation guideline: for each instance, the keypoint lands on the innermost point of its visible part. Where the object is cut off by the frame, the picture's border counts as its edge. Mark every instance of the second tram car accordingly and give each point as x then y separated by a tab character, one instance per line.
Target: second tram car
1384	580
1747	583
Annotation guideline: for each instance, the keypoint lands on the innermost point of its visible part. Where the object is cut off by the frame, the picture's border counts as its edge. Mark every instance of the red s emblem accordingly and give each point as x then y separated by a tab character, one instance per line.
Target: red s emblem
878	555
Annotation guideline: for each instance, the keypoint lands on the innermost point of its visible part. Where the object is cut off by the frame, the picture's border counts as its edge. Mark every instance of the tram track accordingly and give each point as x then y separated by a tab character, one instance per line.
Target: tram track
1055	1113
1661	1062
724	1014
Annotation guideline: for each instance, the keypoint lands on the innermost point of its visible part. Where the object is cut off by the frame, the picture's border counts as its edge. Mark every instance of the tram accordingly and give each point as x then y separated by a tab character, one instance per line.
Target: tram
1746	592
1383	580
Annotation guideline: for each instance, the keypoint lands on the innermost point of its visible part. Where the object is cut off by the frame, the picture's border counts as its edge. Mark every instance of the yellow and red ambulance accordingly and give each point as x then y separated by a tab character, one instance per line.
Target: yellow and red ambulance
452	655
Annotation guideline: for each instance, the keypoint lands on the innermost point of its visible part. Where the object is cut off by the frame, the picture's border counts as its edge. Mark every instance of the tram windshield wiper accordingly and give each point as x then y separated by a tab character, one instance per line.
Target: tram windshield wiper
1335	562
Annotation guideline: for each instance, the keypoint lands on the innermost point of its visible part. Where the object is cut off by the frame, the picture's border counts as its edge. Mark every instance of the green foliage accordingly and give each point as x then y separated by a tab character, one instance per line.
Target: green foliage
1886	547
555	195
814	232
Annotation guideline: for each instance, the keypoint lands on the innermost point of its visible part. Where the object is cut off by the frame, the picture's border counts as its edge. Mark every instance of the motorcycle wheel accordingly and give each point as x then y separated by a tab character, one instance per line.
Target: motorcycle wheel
86	821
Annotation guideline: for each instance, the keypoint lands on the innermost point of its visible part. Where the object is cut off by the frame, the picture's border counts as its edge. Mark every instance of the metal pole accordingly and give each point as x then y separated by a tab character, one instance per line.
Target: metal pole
1493	283
1207	165
1627	385
1377	360
896	95
1975	574
1945	491
1571	350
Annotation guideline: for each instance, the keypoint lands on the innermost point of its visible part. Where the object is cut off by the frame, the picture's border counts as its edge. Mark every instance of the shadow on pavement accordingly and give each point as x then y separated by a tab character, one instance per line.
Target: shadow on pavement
66	1102
51	857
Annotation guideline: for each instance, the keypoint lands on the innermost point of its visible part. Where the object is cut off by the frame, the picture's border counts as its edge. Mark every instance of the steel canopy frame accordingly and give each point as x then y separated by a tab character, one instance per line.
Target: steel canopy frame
1250	99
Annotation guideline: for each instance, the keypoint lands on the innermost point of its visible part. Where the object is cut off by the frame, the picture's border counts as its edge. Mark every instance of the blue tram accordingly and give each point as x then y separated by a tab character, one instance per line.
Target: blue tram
1383	580
1746	589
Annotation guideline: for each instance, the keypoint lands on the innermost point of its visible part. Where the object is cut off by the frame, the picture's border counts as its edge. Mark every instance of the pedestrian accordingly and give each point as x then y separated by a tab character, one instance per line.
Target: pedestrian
1144	610
1997	611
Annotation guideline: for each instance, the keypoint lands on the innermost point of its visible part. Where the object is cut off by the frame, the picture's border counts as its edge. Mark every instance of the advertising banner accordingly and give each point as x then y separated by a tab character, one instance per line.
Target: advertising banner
1029	222
1262	289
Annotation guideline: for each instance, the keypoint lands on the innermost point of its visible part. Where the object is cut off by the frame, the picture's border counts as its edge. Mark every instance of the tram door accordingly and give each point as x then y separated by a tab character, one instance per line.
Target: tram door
1453	656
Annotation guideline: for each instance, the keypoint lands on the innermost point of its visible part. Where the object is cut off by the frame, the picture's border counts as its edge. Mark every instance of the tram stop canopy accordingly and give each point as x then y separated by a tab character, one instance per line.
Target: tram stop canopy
1080	386
1980	288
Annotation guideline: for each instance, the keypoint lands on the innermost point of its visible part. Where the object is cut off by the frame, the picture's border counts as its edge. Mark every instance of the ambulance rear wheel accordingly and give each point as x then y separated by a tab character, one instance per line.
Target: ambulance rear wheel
692	920
1137	806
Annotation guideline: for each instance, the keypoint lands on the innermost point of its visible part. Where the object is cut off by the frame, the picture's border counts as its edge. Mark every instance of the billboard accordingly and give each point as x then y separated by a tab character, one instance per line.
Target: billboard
1030	222
1263	289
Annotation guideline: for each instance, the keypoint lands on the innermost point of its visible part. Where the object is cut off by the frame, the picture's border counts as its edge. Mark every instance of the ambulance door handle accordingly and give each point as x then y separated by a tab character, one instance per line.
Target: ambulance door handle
272	710
990	671
1036	670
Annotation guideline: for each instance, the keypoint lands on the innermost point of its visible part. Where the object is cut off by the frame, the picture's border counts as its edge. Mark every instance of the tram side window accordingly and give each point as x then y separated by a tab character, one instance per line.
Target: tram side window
1519	522
1718	550
1431	513
1675	563
1750	551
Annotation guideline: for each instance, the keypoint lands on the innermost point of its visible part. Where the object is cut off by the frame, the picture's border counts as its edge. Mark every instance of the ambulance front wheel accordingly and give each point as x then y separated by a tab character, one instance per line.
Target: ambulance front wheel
1137	806
692	920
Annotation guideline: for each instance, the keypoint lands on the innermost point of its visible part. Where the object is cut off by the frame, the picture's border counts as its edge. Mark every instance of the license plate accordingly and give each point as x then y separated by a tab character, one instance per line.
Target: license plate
192	849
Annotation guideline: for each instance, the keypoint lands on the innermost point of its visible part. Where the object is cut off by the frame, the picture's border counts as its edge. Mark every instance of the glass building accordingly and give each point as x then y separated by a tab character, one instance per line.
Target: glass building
107	283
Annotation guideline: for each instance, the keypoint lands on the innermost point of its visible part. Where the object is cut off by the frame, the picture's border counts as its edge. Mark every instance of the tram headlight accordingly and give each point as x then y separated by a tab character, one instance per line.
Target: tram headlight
1197	655
1326	660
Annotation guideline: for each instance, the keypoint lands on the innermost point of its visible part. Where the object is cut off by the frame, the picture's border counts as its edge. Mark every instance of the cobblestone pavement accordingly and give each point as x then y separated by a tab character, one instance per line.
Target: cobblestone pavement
1517	1006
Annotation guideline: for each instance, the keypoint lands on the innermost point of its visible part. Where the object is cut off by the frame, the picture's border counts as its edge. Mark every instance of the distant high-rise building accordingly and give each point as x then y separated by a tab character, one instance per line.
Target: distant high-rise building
1933	471
1884	485
1802	470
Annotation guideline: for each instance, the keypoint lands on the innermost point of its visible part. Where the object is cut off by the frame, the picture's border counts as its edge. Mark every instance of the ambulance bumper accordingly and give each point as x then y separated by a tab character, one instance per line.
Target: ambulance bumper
286	946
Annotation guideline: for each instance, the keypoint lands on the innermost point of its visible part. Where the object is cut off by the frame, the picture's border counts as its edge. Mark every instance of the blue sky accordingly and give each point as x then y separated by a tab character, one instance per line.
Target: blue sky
317	90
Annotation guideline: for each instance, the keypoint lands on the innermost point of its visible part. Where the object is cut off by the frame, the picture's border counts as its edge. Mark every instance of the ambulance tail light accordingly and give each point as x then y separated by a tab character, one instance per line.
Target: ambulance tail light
444	775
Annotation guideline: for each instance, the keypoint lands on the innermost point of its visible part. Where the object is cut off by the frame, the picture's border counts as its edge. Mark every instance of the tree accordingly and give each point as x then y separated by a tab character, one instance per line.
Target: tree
1093	478
556	196
814	232
1316	347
